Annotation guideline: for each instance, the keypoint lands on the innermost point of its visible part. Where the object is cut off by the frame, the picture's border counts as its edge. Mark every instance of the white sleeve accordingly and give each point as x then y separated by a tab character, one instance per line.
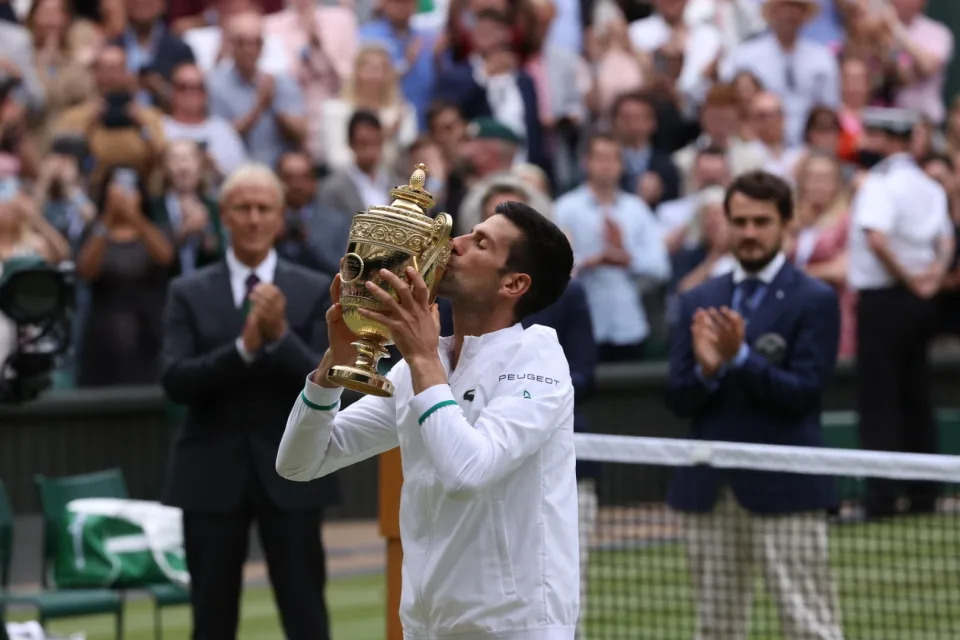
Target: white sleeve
514	425
319	439
874	208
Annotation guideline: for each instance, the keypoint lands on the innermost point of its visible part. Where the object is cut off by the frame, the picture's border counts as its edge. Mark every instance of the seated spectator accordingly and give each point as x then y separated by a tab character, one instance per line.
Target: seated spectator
185	15
372	86
477	205
118	130
923	50
266	109
190	119
411	49
60	196
746	86
870	39
711	169
705	251
186	211
63	46
817	240
854	97
448	128
767	116
719	130
313	236
152	51
560	78
24	231
802	72
18	67
617	67
699	43
367	181
490	148
320	41
126	260
212	47
647	170
491	83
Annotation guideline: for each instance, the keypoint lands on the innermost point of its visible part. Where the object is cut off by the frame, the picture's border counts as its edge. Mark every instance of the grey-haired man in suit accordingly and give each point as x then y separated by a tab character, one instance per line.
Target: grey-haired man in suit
239	337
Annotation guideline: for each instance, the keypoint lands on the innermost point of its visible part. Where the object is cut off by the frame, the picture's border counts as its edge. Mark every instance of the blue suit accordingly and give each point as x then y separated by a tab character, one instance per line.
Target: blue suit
769	399
570	318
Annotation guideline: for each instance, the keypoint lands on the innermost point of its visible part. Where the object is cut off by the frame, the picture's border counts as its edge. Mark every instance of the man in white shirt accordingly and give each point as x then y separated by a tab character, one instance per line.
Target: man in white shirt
484	422
802	72
901	244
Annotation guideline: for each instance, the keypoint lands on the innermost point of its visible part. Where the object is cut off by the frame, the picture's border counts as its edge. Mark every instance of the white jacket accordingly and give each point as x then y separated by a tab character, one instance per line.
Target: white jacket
488	510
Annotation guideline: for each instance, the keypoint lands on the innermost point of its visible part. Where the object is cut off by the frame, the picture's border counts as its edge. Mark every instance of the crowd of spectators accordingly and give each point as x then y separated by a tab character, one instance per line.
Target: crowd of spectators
623	120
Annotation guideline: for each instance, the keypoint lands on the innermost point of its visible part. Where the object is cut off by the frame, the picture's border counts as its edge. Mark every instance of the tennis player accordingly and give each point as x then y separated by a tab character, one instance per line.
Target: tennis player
484	422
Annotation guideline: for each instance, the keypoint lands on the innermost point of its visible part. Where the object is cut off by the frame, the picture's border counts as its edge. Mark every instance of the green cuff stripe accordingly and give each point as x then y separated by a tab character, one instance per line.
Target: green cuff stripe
317	407
436	407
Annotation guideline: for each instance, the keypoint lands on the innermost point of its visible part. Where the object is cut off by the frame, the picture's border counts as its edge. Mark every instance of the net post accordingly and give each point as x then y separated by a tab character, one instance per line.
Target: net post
390	481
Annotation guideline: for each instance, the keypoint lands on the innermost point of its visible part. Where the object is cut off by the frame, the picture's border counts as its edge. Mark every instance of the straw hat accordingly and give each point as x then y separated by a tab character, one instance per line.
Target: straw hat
812	7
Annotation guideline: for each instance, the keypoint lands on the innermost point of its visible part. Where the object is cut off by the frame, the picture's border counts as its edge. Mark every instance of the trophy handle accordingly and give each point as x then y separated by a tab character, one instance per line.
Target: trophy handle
435	258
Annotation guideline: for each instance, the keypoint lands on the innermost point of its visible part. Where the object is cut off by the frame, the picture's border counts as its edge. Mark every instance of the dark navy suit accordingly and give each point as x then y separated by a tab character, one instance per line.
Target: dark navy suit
772	399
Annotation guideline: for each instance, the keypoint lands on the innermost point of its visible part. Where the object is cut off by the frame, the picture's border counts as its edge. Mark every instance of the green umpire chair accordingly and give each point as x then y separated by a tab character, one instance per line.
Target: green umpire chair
51	603
55	493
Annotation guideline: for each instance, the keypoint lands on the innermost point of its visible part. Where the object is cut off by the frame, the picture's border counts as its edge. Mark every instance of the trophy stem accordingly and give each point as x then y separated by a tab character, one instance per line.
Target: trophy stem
363	376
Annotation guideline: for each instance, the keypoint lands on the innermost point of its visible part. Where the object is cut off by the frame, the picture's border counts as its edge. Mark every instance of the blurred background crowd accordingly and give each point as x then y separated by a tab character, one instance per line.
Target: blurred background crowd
119	119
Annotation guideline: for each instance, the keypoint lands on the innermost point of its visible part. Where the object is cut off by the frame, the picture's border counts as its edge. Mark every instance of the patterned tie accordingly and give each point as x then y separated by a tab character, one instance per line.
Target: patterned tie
748	297
251	282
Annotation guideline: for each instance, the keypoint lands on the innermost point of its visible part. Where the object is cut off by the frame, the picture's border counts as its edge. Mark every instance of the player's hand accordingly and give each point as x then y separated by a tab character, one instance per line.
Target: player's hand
341	351
411	318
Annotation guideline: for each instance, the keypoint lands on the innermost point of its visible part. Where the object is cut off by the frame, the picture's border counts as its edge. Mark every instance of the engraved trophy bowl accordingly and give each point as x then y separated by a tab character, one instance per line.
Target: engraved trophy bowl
389	237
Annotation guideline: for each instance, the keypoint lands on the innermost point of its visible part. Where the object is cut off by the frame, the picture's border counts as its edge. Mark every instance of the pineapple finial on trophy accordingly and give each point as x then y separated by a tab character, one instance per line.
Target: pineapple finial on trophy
414	196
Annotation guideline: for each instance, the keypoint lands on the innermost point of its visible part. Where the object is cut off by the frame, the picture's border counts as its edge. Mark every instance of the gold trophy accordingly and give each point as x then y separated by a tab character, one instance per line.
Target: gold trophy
387	237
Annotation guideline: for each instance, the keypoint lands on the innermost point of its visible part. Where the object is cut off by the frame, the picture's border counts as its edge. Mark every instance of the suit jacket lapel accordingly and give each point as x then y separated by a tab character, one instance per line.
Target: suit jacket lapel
221	299
773	302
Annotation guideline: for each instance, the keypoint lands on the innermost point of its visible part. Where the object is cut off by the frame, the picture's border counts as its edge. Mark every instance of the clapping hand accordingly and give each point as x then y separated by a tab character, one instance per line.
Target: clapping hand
730	329
717	336
704	338
270	306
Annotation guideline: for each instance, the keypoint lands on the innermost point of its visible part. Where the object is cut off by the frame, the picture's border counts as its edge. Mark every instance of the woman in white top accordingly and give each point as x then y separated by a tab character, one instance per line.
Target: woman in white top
373	86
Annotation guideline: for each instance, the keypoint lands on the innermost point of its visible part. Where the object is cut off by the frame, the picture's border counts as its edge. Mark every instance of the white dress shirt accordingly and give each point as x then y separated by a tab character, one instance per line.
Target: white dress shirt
803	78
374	192
900	201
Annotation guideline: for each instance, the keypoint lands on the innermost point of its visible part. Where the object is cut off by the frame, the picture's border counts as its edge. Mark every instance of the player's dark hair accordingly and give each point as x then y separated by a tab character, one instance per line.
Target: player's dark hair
542	251
763	186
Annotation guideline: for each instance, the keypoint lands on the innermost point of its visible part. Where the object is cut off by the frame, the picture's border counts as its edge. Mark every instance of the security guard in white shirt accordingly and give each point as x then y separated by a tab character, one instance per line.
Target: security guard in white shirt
484	422
901	242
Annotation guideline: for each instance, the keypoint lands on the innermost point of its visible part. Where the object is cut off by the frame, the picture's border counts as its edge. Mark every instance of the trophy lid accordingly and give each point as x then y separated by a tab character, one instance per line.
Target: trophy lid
413	196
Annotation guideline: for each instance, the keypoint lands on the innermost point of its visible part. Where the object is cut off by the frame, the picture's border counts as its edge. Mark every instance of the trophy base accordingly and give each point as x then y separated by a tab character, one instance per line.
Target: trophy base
361	380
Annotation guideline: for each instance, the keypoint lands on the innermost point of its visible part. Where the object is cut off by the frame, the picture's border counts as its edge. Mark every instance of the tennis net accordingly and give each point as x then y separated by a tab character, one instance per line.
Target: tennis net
667	562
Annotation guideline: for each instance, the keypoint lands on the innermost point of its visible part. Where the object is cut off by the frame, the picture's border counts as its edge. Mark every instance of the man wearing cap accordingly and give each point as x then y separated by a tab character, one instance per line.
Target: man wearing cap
802	72
901	244
491	147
